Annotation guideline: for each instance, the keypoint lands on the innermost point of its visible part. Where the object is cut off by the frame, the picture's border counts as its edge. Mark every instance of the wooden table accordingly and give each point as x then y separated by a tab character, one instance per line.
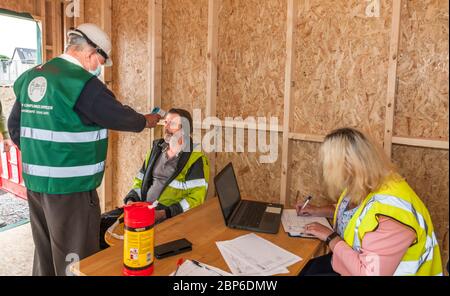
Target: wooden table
202	226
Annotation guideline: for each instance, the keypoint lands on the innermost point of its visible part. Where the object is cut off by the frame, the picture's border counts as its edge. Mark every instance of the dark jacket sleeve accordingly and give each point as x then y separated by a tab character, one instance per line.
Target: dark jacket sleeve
97	105
14	123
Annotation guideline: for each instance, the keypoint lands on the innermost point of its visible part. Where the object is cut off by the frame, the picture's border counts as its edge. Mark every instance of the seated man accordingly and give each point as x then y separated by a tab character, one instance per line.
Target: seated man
173	175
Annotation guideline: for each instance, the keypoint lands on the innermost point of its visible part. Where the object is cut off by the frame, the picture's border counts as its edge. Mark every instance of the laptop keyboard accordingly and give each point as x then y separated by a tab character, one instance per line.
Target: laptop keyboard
250	214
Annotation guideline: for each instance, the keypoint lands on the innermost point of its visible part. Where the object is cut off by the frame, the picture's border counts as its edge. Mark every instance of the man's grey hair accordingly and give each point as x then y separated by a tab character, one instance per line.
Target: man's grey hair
77	43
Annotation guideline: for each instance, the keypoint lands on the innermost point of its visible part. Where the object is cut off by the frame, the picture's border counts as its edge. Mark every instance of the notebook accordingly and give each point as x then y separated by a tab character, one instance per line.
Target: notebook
295	225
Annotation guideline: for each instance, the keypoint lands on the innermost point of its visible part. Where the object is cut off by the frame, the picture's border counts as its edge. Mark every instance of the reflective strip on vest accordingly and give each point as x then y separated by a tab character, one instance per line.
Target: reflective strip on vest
140	176
188	184
391	201
138	192
63	172
405	267
63	137
411	267
185	205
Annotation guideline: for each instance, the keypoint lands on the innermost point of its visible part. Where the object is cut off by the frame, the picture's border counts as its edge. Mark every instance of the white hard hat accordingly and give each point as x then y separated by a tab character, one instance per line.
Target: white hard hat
97	38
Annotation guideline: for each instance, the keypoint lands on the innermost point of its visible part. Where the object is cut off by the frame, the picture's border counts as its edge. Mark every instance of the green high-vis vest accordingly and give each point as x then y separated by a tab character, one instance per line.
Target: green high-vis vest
60	155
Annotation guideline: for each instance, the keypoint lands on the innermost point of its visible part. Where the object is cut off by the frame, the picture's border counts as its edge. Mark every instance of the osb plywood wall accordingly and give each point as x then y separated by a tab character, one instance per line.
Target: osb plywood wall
423	70
185	32
184	78
252	42
305	174
251	62
340	79
341	66
256	180
93	12
422	105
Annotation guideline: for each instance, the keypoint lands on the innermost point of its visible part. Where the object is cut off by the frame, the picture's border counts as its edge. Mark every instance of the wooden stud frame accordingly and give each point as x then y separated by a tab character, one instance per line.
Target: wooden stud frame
43	30
288	93
211	86
106	186
392	77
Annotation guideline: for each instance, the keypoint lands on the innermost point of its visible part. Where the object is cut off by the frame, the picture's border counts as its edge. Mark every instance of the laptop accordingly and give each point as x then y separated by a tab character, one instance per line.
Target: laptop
245	214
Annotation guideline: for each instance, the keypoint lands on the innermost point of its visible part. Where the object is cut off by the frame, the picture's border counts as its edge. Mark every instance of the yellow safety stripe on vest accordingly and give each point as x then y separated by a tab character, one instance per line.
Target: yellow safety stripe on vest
63	137
63	172
188	184
140	176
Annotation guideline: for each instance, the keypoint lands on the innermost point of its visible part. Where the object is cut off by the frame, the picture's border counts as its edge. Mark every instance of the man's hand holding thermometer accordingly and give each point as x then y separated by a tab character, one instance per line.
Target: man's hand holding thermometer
306	203
153	118
160	112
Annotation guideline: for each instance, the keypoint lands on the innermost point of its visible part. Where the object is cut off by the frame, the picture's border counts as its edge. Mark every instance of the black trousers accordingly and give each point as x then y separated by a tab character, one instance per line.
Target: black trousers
65	229
320	266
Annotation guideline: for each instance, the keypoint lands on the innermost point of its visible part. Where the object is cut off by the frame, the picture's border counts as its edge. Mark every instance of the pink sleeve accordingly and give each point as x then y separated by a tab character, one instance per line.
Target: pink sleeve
381	252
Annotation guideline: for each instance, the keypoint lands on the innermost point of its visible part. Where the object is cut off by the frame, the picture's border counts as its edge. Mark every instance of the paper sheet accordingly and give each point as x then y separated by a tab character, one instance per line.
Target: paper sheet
241	268
253	255
188	268
295	225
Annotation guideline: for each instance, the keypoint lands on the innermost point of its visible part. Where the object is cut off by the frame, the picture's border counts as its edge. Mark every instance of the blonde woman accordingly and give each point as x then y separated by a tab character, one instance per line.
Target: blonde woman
381	227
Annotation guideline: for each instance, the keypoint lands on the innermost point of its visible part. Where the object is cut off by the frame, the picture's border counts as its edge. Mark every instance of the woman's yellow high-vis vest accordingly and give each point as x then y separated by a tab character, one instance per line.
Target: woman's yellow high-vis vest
397	200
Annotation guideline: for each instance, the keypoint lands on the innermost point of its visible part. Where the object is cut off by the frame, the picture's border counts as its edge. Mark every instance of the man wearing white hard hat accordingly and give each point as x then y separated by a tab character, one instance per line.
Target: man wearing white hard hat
60	121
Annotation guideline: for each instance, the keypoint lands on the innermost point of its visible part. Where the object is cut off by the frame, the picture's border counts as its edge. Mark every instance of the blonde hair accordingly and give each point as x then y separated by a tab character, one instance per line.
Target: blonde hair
351	161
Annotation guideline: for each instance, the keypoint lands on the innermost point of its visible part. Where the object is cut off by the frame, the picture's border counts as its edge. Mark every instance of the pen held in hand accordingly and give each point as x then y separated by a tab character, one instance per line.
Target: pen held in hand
306	203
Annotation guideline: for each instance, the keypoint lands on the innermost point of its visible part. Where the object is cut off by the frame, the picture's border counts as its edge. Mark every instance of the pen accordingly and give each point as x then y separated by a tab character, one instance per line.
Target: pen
202	266
199	265
306	202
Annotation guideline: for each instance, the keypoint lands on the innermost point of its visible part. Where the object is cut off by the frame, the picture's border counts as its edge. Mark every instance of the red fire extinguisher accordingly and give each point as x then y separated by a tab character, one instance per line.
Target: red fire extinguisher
138	246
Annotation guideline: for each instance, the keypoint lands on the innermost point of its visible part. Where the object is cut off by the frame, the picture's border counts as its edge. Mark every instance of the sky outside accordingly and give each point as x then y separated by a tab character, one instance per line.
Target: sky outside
16	32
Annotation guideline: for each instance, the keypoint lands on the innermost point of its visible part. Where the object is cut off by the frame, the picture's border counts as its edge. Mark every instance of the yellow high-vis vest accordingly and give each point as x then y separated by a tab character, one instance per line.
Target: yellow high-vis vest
397	200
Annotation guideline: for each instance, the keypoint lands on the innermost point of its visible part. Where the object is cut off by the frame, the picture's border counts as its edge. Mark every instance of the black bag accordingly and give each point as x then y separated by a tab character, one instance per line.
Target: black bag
107	220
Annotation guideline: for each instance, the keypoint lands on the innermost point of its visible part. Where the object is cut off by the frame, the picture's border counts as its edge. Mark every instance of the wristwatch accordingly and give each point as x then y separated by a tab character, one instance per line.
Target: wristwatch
331	237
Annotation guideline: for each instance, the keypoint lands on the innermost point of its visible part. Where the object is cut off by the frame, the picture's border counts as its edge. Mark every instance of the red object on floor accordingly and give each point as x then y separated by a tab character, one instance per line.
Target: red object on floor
11	172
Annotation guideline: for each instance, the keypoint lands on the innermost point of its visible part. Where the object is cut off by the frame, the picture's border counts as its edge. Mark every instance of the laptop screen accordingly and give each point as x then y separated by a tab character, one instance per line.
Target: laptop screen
228	191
